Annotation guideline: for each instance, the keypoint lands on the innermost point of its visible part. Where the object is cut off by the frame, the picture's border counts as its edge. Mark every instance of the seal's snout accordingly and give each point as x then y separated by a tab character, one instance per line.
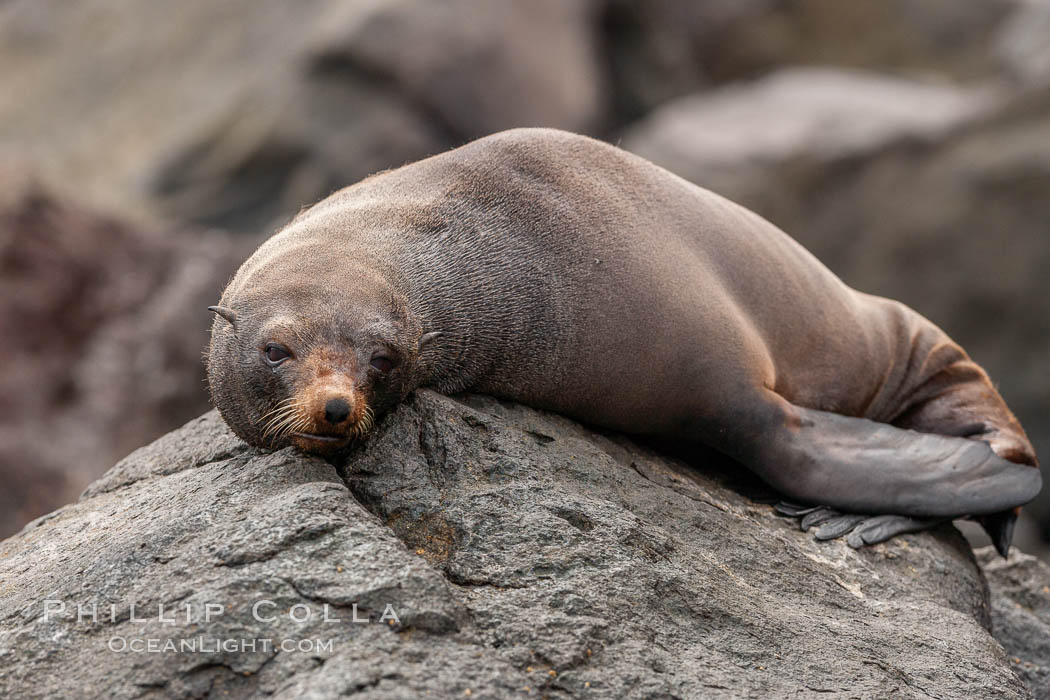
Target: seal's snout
336	411
332	404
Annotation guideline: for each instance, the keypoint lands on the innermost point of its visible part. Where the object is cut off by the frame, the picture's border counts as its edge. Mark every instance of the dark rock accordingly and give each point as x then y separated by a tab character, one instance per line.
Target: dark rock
1020	597
517	550
663	49
375	86
918	37
288	145
481	67
104	323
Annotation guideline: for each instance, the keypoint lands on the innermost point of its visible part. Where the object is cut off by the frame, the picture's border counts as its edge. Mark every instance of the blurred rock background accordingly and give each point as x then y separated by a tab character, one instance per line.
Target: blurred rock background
147	147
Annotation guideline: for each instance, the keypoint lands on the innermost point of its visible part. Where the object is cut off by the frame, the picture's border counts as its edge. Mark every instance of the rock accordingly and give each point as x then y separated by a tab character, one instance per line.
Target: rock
286	145
663	49
917	37
240	128
738	140
104	323
1020	598
1021	43
943	212
481	67
375	86
95	98
507	549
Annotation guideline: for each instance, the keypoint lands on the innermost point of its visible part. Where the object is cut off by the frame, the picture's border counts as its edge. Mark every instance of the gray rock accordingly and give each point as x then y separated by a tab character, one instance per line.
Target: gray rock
1020	598
662	49
237	114
1021	42
480	67
738	139
917	37
376	85
517	550
98	93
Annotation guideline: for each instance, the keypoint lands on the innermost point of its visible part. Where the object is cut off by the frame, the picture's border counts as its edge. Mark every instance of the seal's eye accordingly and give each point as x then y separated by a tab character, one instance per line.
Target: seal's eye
382	363
275	354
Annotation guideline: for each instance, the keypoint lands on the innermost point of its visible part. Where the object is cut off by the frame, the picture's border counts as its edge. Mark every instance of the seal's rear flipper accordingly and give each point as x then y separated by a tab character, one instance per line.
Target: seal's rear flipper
1000	527
860	466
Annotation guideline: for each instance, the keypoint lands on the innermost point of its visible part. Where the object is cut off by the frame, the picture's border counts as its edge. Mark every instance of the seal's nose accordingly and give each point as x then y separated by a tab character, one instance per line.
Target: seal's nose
336	411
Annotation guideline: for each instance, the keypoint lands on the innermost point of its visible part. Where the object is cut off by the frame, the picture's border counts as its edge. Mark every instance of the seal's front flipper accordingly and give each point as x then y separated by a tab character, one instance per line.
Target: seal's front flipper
860	466
1000	527
861	529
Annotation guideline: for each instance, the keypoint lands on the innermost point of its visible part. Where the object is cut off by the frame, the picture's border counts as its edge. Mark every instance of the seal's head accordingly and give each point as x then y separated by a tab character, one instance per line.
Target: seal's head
294	360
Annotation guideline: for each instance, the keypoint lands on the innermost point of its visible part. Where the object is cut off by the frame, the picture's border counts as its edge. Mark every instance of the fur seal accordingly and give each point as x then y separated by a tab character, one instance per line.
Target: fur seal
563	273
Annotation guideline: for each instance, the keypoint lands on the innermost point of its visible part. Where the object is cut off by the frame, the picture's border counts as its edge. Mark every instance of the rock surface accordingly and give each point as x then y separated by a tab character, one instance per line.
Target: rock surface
236	114
938	37
1021	42
1020	600
661	49
738	139
242	126
522	555
103	323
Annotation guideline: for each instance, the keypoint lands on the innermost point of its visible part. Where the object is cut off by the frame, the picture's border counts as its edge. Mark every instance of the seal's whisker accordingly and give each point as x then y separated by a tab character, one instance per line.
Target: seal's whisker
278	421
283	411
285	426
364	424
283	402
278	409
283	405
296	424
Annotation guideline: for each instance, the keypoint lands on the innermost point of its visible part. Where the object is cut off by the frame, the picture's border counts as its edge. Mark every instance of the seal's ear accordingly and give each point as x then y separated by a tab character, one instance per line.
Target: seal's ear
228	314
428	337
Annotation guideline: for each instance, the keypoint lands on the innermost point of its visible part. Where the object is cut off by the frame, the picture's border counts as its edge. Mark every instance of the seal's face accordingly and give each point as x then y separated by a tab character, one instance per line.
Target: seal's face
311	370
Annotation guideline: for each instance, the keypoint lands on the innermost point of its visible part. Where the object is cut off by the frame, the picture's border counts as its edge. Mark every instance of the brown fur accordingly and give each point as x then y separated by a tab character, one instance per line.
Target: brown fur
569	275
